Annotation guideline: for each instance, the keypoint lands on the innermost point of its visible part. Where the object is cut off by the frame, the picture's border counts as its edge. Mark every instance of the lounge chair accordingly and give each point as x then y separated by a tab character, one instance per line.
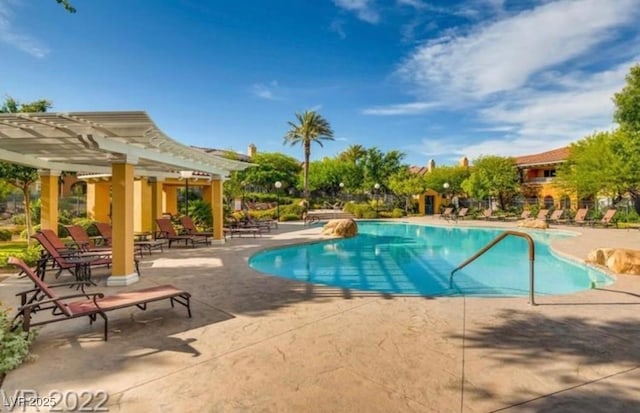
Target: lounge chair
190	228
85	304
542	214
606	219
167	231
556	216
79	264
487	214
447	214
82	239
462	213
106	233
581	217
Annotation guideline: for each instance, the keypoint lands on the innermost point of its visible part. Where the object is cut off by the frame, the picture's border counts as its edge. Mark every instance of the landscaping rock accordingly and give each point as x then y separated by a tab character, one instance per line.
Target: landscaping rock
618	260
533	223
345	228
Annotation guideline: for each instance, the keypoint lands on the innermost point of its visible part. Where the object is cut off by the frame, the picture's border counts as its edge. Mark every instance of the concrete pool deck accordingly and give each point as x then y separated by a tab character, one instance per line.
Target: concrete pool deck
259	343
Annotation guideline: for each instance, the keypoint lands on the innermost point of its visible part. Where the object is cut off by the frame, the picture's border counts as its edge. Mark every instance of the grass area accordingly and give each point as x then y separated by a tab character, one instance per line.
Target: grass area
18	249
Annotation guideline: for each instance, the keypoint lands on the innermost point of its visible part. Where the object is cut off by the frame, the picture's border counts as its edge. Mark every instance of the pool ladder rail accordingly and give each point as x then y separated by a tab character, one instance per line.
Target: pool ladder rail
496	240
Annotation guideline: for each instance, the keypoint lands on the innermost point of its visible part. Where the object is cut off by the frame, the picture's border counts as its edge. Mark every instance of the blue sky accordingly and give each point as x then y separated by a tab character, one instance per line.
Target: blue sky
434	79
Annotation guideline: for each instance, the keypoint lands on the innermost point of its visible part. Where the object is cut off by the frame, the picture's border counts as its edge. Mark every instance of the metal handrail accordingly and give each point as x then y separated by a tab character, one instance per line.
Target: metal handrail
532	257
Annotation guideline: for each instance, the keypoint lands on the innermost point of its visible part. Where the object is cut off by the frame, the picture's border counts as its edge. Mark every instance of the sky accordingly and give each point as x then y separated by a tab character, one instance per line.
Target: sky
434	79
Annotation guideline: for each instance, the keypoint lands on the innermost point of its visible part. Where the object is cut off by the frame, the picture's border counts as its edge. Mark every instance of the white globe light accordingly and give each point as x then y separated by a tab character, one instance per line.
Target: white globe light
377	186
278	184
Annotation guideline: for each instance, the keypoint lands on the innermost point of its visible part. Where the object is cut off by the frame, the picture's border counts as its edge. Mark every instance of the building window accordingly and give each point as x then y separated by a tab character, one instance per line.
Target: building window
565	202
548	202
549	173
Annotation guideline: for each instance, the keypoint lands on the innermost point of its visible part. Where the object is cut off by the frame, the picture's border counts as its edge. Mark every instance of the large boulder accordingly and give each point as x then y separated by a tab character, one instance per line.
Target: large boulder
345	228
618	260
533	223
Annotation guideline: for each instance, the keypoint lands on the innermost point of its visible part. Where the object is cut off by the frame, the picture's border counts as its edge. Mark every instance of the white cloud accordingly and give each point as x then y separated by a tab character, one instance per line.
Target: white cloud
265	91
16	39
504	55
364	9
416	4
413	108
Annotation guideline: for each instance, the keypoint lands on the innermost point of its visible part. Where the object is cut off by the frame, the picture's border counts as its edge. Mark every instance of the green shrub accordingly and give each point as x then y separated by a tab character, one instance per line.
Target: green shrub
17	230
14	343
200	213
289	217
265	214
29	255
397	213
292	209
5	235
360	210
18	219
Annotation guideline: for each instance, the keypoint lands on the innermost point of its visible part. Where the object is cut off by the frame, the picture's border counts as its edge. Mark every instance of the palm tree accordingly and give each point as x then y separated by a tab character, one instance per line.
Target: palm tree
353	154
311	127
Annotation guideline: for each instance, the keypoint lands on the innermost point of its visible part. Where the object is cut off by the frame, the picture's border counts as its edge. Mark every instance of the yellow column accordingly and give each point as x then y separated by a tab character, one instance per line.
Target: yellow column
49	199
212	195
98	201
156	201
142	206
123	271
171	199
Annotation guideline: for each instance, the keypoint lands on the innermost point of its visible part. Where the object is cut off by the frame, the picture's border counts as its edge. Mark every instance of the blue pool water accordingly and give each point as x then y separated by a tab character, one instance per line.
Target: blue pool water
409	259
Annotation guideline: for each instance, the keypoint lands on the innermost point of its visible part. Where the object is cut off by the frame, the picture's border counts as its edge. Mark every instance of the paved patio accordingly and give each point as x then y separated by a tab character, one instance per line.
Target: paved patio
259	343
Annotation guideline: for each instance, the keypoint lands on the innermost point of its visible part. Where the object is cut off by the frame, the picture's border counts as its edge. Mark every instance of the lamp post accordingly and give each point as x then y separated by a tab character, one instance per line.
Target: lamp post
278	185
341	189
186	175
446	189
377	190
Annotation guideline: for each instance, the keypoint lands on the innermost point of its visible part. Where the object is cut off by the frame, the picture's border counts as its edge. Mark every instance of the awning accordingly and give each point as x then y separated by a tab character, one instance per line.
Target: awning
90	142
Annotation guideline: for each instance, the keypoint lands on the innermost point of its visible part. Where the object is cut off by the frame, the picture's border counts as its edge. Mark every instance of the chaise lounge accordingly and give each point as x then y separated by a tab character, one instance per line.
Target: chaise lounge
83	304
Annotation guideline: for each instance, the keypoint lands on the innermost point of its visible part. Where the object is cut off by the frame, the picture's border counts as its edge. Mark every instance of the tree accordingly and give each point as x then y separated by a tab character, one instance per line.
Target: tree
354	154
591	167
494	176
453	175
379	167
327	174
67	5
406	184
627	102
22	177
269	168
311	127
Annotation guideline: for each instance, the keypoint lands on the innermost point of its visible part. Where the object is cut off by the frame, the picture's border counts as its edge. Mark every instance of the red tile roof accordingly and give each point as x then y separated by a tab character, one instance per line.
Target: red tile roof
419	170
549	157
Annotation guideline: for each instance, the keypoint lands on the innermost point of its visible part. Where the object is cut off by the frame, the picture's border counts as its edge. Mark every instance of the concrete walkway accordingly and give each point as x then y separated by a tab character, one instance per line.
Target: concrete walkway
258	343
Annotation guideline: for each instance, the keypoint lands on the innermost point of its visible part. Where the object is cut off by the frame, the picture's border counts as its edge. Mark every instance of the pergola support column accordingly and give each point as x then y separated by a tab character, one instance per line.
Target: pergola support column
171	199
99	201
123	271
212	195
49	199
156	200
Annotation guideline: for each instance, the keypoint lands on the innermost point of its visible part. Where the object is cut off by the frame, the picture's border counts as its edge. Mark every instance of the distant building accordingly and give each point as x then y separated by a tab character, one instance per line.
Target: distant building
537	175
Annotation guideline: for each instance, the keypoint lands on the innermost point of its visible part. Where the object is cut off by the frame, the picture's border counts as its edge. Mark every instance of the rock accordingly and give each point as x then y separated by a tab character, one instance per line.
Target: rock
346	228
618	260
533	223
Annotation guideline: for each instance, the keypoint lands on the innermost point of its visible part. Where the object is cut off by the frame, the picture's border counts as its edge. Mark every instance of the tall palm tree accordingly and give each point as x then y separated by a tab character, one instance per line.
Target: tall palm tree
311	127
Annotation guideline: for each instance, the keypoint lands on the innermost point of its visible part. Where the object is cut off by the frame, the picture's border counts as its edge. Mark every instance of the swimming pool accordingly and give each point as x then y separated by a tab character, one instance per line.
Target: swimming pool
410	259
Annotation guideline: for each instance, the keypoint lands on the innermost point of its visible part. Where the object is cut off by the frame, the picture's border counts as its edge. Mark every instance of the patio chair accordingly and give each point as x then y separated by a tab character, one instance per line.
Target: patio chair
487	214
462	213
581	217
106	233
82	239
190	228
79	264
606	220
556	216
169	233
446	214
65	249
84	304
542	214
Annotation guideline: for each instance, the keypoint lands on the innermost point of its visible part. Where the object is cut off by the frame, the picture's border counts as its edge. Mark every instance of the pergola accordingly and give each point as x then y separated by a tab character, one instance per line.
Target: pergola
123	145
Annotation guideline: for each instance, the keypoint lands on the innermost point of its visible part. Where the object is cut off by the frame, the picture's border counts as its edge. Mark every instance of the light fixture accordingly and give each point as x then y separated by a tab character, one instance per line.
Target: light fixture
278	185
